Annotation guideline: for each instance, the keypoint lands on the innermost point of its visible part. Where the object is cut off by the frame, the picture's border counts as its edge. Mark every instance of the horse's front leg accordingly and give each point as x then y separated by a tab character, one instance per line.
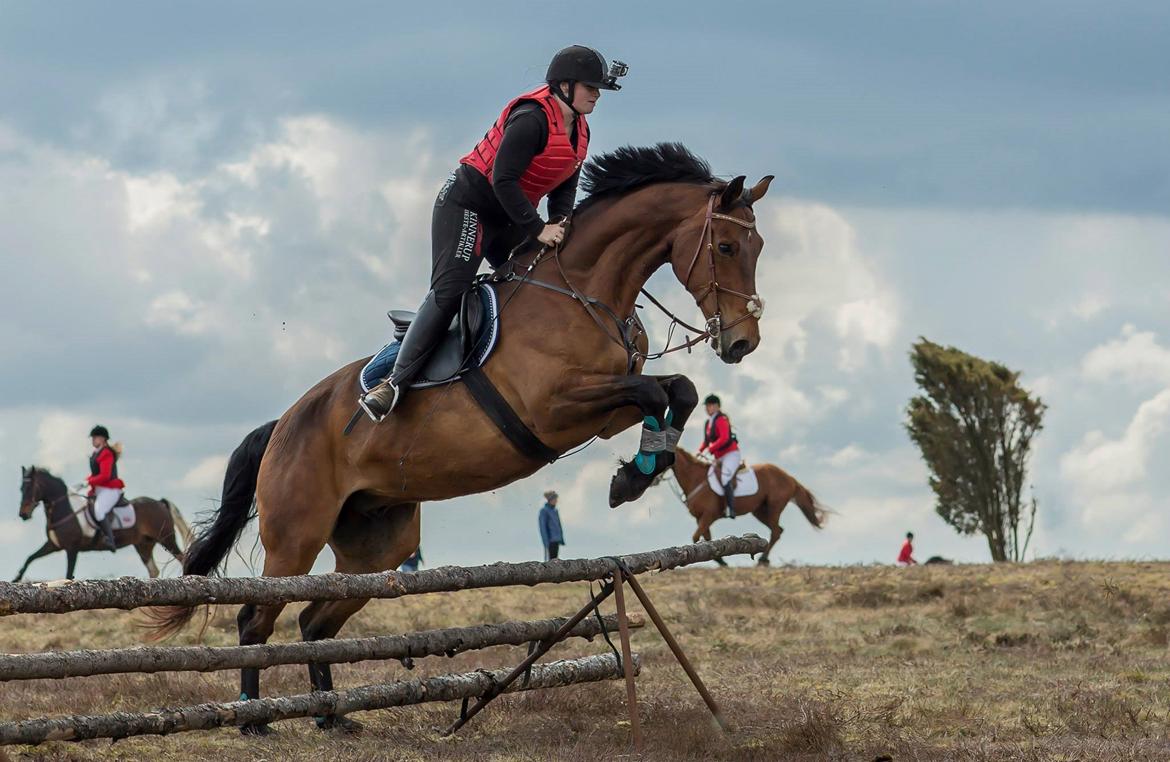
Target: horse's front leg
41	552
666	402
660	435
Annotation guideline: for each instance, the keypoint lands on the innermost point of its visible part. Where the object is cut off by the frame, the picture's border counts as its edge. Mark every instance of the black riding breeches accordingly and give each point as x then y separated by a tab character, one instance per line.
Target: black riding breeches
460	240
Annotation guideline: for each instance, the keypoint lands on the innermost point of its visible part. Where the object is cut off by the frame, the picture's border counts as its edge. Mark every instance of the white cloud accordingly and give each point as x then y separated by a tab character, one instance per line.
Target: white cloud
206	475
846	456
156	199
62	443
1100	465
1136	357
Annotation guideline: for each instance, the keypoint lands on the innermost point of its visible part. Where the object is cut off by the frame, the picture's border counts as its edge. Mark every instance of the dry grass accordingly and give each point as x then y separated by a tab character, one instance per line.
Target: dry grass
1049	661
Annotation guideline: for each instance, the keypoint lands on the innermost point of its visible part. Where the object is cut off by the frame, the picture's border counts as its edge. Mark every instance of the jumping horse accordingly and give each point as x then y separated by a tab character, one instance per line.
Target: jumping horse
568	363
156	522
776	488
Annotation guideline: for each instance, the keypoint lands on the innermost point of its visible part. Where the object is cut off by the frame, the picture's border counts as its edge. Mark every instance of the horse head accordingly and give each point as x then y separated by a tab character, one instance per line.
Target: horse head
715	257
29	491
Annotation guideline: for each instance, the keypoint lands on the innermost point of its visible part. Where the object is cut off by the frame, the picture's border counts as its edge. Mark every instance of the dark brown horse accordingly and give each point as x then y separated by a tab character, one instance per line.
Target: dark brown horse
568	362
777	488
156	522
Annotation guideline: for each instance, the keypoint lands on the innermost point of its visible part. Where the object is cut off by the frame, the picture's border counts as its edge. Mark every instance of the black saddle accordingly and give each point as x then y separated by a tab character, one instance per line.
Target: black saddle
471	337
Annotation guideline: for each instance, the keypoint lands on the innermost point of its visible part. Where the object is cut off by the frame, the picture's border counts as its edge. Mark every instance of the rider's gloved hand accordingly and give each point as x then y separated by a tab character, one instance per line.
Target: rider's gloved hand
553	234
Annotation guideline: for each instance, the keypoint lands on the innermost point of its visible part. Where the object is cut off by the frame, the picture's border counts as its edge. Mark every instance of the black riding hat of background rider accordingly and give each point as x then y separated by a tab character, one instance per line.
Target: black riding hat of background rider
100	431
578	63
712	400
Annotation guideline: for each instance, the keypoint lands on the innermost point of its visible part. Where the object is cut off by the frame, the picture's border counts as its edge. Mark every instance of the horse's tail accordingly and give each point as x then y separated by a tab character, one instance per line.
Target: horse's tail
180	524
206	553
813	510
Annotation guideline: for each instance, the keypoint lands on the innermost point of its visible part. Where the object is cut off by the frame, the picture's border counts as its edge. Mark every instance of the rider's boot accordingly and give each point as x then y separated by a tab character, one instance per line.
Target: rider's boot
729	493
107	527
428	326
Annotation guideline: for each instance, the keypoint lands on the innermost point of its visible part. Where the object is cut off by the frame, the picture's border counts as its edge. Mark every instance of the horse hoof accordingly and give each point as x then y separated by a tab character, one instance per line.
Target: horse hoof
337	724
255	730
628	484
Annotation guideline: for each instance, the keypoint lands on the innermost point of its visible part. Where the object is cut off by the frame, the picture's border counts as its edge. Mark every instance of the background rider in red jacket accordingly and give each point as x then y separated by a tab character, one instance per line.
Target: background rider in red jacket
105	488
721	441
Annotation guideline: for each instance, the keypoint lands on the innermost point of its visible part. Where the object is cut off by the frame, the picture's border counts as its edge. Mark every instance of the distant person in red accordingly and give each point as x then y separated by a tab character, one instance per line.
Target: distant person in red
906	554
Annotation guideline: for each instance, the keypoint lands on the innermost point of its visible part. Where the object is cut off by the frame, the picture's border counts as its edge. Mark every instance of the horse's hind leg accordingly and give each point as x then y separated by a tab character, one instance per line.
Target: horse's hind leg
364	540
146	553
292	541
70	563
771	519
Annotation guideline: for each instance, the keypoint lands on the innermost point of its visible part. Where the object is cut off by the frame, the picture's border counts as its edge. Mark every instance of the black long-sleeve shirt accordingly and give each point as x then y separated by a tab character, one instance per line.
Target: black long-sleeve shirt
525	136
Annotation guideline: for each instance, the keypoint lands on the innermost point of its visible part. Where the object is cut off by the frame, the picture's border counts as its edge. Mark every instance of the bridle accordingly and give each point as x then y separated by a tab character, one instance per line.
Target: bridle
49	503
715	326
627	330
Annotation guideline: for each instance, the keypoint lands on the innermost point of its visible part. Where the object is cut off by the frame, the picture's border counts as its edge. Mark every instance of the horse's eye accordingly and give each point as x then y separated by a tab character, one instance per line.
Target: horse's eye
725	248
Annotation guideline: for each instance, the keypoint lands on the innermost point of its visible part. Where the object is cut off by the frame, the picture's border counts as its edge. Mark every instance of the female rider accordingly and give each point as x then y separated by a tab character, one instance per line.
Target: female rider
488	205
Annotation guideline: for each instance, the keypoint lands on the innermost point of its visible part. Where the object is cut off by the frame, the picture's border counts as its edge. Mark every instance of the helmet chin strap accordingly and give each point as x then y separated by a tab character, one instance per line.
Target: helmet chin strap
569	99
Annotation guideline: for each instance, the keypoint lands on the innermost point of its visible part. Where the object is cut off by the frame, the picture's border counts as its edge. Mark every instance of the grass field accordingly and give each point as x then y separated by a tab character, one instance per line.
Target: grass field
1044	661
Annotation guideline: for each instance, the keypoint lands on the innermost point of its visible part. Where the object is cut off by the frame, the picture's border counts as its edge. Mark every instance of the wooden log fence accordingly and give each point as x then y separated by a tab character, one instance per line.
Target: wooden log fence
541	635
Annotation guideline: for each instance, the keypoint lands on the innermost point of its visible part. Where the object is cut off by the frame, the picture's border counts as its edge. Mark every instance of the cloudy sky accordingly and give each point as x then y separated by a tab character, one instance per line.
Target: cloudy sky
206	207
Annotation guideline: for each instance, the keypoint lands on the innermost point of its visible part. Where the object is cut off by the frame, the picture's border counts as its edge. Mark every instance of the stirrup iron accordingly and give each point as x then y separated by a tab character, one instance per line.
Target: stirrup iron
375	416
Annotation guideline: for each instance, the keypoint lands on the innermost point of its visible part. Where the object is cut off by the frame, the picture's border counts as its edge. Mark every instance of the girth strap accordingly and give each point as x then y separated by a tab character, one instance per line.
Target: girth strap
504	417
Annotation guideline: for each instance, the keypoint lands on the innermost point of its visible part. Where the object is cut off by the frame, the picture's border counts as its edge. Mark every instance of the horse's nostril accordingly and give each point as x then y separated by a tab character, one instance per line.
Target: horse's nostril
739	350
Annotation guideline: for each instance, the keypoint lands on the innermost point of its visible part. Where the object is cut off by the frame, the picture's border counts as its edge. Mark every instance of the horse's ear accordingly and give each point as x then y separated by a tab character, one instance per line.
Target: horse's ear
731	193
23	472
759	189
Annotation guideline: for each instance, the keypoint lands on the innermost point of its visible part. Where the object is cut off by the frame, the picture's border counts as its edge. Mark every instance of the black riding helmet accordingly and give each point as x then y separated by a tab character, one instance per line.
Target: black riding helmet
100	431
712	400
578	63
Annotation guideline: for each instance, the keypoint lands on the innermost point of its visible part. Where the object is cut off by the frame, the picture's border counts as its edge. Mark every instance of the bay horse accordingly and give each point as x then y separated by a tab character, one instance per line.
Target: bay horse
777	488
156	522
568	361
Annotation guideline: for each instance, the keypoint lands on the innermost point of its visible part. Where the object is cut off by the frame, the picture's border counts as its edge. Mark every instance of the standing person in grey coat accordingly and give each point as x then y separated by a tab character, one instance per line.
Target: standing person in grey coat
551	533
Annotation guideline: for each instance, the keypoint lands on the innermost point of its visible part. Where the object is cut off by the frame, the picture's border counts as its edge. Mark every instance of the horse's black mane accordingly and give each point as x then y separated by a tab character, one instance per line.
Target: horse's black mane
629	167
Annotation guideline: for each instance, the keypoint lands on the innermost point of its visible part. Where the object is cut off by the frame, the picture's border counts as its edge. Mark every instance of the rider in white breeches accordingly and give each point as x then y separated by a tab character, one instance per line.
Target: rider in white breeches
104	485
720	440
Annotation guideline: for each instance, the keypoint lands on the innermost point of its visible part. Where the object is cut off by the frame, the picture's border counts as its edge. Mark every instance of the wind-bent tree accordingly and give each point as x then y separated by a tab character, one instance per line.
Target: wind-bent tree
974	424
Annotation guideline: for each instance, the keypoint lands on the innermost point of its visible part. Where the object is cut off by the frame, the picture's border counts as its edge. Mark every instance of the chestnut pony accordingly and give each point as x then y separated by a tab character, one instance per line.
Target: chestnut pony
568	361
777	488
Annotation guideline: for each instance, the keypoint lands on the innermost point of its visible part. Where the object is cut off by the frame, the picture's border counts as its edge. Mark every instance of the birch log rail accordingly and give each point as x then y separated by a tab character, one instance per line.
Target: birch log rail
445	642
132	592
209	716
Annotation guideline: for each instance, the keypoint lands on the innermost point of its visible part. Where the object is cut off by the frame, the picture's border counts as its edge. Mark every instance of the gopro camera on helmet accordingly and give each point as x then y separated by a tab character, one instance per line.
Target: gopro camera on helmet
616	69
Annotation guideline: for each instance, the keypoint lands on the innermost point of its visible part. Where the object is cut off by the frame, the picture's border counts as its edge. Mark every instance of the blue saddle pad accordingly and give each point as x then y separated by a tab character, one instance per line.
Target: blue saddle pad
447	360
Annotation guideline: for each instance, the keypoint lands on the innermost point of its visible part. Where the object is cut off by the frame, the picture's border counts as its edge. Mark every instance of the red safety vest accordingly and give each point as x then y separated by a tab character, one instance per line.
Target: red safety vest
549	168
